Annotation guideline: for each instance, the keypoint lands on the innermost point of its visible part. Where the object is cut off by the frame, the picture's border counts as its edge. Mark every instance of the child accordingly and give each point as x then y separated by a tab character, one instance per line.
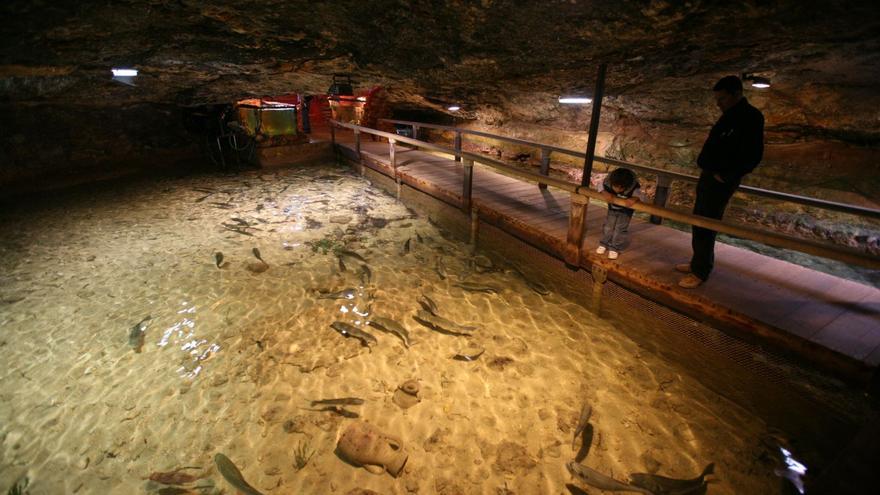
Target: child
621	184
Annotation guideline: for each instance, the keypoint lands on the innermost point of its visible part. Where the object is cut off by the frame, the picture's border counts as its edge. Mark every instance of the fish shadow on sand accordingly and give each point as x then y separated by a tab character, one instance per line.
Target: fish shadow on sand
574	490
586	443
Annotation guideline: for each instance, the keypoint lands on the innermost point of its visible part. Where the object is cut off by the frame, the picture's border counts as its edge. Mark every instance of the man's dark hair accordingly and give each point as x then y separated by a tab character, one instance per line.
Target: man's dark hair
731	84
622	177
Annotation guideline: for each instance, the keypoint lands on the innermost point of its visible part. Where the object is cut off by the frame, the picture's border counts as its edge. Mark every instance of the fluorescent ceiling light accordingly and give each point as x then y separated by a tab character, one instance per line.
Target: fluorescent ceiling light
454	108
575	100
760	85
125	72
362	98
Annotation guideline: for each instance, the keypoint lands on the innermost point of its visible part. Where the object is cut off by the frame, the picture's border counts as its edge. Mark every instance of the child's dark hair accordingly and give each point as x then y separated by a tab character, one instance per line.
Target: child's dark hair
622	177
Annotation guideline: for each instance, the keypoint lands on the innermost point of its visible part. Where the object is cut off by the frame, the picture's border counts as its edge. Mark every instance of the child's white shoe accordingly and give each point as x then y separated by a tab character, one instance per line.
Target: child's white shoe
612	255
600	250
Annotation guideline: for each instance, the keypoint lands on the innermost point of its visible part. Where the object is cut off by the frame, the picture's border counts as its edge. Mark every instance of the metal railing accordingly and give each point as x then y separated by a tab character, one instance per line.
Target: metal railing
664	177
580	196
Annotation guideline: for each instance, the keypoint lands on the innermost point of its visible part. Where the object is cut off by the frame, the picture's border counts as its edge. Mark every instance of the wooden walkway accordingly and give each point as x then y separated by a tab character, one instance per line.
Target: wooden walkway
792	307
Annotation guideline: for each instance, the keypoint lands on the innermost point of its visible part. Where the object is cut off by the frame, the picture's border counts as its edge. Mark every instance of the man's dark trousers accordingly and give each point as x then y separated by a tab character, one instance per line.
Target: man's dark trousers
712	198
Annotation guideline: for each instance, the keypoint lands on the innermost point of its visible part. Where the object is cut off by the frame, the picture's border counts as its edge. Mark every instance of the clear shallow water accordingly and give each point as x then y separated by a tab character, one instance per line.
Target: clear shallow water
232	356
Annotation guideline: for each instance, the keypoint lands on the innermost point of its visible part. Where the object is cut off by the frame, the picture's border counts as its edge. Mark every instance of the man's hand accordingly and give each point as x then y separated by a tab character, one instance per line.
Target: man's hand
631	201
718	178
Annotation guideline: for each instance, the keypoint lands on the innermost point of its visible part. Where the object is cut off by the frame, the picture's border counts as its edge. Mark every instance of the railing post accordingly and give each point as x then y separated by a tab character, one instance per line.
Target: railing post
415	131
467	182
357	143
661	195
475	229
333	134
576	221
392	156
457	144
545	166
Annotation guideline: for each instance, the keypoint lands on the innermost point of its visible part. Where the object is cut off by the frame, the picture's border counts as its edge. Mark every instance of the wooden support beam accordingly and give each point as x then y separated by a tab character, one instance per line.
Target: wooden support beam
475	229
357	143
576	223
545	165
600	276
392	156
457	146
467	183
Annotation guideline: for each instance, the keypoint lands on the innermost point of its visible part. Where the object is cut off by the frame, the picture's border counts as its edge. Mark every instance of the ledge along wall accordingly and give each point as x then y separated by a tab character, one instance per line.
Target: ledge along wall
770	385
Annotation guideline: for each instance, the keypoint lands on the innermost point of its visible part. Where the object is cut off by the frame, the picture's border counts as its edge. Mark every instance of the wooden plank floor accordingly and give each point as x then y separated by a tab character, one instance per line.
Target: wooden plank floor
828	311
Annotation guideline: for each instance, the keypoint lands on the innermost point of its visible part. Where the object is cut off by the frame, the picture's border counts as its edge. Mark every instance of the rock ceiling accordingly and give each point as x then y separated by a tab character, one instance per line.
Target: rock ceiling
516	55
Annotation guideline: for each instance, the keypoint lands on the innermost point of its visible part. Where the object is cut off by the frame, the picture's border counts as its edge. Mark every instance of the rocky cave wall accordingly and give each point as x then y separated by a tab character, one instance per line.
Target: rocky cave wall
504	62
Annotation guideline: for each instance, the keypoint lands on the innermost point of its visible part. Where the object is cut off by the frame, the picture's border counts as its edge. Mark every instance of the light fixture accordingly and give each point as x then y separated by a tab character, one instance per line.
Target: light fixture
760	82
453	108
362	98
124	76
575	100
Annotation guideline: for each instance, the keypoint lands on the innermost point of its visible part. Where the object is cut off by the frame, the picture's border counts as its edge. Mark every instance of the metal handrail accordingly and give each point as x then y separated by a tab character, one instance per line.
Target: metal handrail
672	175
839	253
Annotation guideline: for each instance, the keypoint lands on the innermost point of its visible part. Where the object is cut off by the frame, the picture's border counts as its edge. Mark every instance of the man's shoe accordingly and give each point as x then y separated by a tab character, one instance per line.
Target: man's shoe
690	281
612	255
600	250
683	267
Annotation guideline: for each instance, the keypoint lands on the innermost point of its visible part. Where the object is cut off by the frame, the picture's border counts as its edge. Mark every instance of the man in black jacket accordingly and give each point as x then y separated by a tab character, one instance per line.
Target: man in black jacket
733	149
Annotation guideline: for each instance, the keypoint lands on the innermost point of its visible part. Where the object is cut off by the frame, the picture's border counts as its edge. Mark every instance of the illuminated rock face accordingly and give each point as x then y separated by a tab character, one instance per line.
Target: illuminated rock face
505	63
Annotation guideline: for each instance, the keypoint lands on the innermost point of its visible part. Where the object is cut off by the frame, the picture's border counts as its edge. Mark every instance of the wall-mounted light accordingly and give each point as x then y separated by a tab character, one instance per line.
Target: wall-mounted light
125	76
453	108
760	82
575	100
361	98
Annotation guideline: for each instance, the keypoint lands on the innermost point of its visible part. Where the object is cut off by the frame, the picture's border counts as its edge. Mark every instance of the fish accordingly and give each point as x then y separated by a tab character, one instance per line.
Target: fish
343	401
257	254
661	485
406	245
199	200
341	264
439	268
427	304
390	326
419	238
218	259
472	287
586	411
343	294
441	324
353	331
233	476
471	354
240	221
223	206
136	334
366	274
594	478
537	287
350	254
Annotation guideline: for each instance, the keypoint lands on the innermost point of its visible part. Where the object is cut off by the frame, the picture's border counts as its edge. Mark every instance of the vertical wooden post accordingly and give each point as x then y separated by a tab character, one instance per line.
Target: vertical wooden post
575	237
661	195
475	229
357	143
392	156
415	131
594	125
457	145
399	187
467	182
333	133
545	166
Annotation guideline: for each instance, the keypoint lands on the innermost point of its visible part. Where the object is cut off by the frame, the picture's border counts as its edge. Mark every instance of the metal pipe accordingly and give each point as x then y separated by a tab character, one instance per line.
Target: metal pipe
594	125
